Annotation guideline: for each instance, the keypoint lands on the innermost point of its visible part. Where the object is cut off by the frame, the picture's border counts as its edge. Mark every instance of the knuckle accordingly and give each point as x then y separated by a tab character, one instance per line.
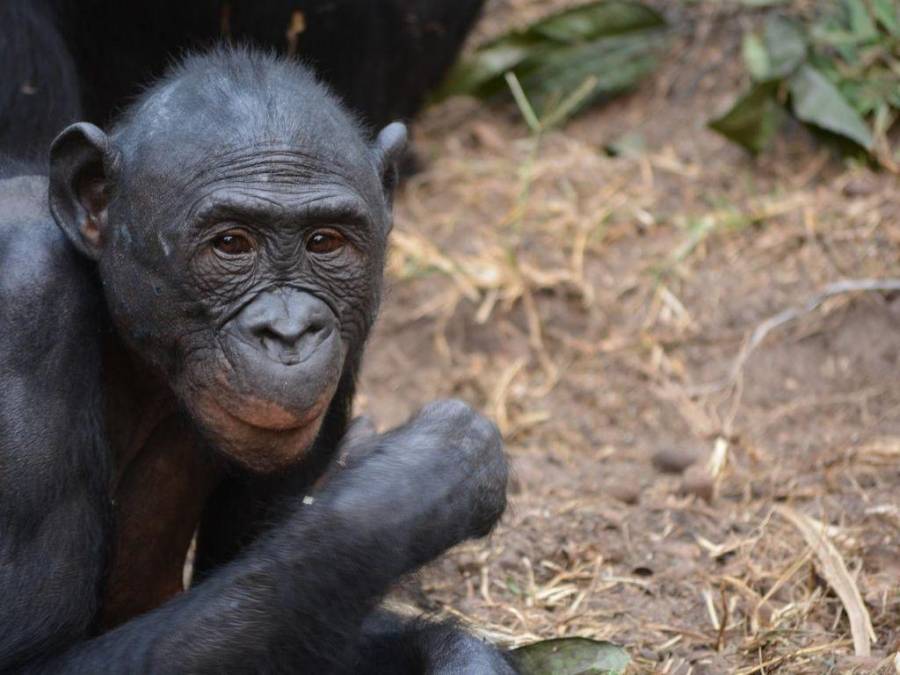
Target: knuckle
461	417
449	409
486	431
483	440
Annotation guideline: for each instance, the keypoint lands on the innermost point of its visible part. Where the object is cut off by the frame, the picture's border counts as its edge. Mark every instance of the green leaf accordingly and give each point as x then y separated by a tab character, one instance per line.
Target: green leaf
571	656
785	45
756	58
816	101
616	63
612	42
753	120
483	74
833	37
887	13
862	25
595	20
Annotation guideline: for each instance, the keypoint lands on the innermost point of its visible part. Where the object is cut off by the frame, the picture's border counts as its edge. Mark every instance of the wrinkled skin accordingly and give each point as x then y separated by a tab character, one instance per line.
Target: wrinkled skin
180	351
253	340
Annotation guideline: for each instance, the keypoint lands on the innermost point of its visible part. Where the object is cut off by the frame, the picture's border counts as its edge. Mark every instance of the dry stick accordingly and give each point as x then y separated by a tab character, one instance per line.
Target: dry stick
723	625
834	570
786	316
759	334
778	660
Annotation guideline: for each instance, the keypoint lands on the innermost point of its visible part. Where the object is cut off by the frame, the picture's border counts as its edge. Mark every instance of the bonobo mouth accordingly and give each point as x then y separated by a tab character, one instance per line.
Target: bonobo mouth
259	434
279	391
270	416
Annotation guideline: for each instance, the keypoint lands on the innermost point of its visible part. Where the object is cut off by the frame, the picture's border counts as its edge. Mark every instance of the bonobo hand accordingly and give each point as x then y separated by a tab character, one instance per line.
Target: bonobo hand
435	481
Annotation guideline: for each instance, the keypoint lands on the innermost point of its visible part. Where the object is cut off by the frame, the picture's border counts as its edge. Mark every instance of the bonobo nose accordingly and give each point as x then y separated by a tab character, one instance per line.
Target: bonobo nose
287	324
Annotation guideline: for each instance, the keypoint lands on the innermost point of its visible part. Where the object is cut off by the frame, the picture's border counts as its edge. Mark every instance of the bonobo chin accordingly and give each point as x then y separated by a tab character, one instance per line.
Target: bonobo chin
180	334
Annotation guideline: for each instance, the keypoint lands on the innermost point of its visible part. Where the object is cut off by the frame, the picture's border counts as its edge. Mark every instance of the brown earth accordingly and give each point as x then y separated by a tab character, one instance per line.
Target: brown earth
597	307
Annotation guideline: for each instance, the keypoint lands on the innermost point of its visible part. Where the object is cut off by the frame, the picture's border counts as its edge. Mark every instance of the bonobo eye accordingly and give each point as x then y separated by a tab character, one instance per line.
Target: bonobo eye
232	243
325	241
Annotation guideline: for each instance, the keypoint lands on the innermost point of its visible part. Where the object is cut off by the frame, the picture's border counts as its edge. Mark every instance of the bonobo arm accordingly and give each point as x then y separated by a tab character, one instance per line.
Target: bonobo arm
388	643
297	598
53	460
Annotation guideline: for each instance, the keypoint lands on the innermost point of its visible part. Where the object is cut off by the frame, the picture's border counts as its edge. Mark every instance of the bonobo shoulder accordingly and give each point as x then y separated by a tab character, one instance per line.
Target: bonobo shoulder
24	200
40	275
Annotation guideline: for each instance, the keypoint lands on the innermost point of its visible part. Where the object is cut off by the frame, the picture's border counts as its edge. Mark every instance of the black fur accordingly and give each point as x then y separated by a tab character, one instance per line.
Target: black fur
124	306
380	56
39	89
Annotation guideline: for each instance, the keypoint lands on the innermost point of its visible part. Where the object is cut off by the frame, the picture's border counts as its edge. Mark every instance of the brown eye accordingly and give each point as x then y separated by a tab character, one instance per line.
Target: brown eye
325	241
232	243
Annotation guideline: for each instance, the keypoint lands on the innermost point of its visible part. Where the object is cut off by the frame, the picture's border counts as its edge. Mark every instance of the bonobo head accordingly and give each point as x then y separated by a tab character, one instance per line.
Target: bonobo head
238	216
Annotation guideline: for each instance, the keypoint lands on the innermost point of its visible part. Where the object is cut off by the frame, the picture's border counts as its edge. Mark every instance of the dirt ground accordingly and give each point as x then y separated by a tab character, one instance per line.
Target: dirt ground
712	508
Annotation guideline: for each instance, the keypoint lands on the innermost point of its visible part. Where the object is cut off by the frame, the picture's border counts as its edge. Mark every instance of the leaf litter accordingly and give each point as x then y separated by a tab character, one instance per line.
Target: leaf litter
594	306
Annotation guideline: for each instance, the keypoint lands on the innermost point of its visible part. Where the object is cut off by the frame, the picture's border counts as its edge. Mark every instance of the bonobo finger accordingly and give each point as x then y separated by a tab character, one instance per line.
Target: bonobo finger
352	447
482	465
360	428
446	409
491	497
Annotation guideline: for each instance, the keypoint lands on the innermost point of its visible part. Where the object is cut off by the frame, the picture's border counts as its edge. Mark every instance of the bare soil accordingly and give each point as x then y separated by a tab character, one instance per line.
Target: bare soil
596	307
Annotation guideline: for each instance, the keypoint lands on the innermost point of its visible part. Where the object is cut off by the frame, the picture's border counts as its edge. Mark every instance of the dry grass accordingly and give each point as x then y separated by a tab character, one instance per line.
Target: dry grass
597	308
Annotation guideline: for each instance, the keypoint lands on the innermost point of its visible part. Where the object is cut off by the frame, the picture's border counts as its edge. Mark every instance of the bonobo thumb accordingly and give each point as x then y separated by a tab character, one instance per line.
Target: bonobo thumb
352	447
358	430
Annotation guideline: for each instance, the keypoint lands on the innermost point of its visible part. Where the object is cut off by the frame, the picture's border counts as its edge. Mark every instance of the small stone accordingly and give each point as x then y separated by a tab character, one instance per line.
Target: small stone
488	136
674	460
859	186
698	482
625	493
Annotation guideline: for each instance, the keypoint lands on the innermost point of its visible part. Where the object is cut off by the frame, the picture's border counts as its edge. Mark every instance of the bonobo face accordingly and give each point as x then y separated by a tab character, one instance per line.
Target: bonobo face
269	271
245	265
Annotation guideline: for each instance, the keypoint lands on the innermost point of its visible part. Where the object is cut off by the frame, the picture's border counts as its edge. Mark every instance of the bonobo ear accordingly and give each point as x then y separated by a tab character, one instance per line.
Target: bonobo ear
82	168
390	146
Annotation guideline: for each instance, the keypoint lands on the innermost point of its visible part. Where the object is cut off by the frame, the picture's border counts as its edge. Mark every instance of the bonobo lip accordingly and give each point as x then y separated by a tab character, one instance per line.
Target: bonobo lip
258	434
270	416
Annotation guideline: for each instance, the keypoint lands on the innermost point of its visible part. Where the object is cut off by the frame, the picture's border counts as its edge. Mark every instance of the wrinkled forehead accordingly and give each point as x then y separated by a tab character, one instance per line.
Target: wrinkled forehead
189	134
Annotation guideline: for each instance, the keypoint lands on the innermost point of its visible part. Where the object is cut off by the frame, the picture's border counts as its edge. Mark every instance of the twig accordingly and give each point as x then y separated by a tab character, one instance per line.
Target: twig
778	660
723	625
528	114
834	570
734	380
791	314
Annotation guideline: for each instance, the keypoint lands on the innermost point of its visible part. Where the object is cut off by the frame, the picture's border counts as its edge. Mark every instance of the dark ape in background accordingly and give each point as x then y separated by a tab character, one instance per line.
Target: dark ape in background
88	58
39	84
178	350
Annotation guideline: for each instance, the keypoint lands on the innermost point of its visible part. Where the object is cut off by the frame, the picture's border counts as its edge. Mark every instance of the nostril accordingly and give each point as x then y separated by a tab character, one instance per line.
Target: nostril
285	336
268	336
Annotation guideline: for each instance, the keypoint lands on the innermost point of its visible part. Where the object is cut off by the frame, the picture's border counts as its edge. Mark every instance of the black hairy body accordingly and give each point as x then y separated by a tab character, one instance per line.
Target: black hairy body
62	61
180	334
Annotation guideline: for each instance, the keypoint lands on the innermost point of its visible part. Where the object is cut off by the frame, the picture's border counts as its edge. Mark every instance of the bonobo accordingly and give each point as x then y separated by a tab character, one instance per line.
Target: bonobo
177	355
67	60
